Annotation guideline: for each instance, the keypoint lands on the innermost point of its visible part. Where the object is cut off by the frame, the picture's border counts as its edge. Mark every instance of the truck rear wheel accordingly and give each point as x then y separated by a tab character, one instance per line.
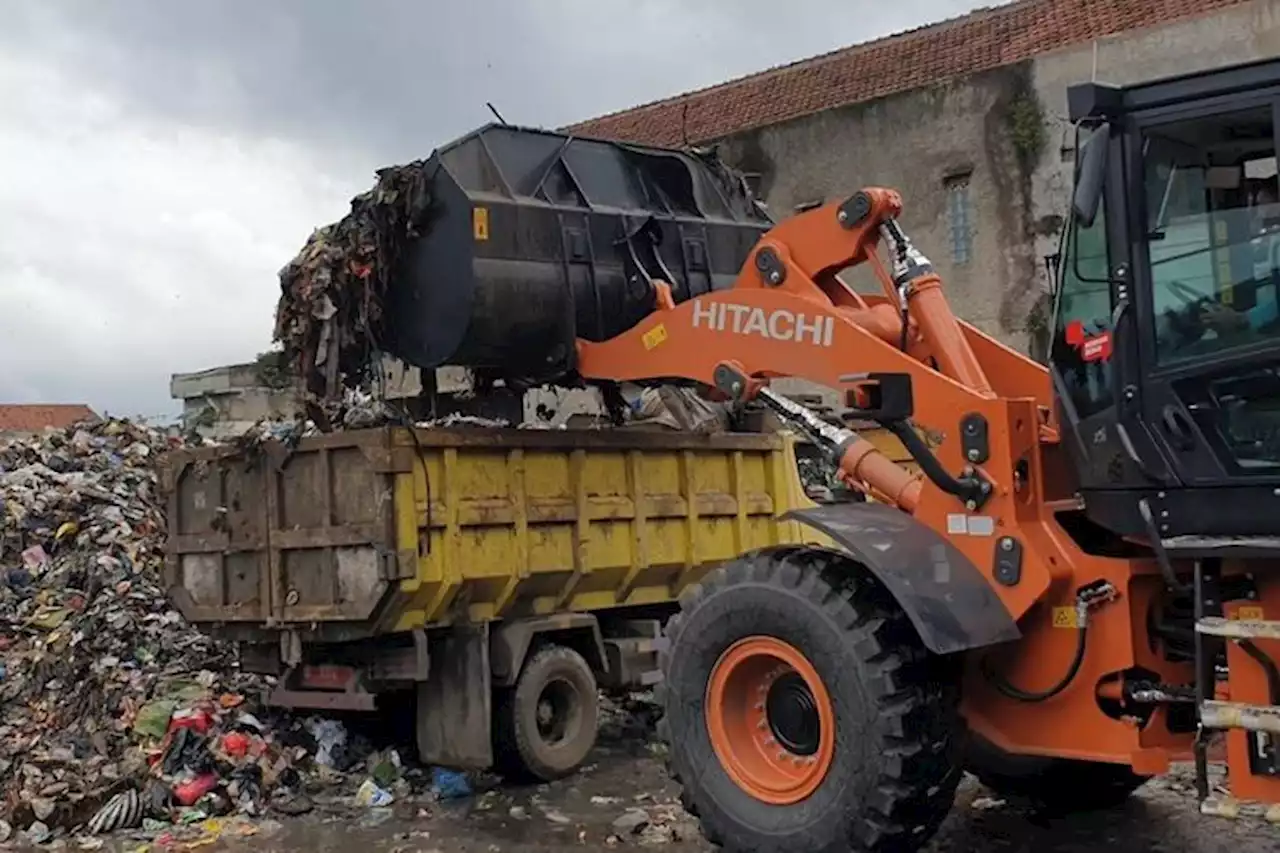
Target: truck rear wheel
802	712
546	725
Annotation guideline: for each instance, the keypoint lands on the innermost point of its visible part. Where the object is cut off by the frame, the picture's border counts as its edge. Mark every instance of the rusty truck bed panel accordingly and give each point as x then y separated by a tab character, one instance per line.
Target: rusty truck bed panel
381	530
276	536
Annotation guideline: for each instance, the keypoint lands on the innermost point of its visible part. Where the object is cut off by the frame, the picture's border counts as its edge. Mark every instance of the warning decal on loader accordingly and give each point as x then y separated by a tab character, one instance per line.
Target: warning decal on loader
655	336
1065	617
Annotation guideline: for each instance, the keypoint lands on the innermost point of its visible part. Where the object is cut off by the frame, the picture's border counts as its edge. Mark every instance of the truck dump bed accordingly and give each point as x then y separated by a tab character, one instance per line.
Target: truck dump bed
358	534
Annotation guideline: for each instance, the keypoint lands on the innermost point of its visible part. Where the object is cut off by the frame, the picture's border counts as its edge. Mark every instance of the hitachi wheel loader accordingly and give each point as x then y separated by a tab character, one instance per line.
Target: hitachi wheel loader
1083	584
1075	584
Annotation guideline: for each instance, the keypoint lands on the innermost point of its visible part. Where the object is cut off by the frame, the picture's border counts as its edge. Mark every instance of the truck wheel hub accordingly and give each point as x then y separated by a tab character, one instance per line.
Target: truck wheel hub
557	712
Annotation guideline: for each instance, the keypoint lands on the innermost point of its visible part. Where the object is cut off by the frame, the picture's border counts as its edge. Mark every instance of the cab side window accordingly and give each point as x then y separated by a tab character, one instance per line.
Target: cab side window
1081	349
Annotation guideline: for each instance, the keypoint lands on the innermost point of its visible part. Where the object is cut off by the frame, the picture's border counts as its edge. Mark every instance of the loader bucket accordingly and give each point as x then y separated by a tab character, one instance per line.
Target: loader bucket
537	238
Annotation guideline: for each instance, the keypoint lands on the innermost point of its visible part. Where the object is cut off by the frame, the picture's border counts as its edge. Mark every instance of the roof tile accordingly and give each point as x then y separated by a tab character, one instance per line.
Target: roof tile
20	417
980	41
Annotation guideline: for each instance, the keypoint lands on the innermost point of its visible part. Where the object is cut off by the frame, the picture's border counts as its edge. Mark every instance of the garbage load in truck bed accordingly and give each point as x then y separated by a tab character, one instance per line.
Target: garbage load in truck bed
460	562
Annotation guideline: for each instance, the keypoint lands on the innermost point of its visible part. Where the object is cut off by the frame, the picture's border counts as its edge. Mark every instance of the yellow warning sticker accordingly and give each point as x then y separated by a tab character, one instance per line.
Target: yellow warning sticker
480	223
1065	617
1250	611
655	337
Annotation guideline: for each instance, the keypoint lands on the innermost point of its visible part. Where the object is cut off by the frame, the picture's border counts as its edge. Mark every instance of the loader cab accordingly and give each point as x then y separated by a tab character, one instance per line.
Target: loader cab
1166	341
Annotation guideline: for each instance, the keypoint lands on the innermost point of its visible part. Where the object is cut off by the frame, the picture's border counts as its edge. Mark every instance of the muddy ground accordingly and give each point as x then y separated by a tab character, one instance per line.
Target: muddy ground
623	800
581	814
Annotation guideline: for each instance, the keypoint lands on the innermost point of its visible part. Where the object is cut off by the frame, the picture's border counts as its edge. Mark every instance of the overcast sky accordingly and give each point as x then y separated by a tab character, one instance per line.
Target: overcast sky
160	160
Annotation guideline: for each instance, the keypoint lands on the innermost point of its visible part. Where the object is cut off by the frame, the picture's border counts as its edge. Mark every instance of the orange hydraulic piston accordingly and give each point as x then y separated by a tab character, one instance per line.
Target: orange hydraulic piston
862	462
938	326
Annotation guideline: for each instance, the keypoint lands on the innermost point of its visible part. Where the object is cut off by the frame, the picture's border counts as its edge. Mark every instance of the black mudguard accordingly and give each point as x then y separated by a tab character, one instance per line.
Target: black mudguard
952	606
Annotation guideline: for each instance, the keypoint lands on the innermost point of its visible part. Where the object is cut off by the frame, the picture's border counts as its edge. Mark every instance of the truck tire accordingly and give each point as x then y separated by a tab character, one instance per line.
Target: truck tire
546	725
1058	785
802	712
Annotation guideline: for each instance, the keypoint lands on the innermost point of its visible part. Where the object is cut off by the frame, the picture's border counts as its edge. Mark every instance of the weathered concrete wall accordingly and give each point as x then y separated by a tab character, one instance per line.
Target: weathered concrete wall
1007	129
916	142
1240	34
226	401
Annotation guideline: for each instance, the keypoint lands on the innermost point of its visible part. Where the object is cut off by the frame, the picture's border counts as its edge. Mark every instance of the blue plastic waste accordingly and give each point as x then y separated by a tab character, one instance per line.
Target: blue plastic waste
450	784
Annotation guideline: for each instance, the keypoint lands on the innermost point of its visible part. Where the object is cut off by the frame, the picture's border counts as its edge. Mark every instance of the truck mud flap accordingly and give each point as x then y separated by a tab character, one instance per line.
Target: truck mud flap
952	606
455	702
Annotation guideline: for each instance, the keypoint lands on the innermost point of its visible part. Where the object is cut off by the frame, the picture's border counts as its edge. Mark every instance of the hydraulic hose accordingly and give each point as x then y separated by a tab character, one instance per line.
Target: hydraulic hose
1086	597
1009	691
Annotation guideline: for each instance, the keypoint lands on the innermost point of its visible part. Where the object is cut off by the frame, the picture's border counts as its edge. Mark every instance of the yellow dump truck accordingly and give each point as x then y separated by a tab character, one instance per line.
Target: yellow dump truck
502	575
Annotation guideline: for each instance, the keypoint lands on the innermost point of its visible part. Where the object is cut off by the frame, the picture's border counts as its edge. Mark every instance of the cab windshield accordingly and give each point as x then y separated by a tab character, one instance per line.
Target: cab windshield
1213	233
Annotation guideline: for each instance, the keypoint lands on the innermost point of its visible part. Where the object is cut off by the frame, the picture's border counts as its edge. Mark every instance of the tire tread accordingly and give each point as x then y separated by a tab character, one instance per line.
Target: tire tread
915	790
513	753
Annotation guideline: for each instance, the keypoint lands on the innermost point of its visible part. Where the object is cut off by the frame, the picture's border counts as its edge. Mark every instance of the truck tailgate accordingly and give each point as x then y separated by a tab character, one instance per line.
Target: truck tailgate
283	536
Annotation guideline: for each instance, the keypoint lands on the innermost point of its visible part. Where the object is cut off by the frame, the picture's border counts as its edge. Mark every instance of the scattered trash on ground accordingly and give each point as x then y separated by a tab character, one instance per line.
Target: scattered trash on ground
986	804
631	822
96	662
450	784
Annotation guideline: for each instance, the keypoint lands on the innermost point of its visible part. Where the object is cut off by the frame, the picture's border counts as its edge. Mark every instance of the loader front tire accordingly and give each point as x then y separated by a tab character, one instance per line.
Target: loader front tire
802	712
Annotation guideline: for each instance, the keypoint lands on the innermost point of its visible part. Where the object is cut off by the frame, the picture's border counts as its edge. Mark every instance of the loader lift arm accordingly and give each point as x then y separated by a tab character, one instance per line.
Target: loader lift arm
788	314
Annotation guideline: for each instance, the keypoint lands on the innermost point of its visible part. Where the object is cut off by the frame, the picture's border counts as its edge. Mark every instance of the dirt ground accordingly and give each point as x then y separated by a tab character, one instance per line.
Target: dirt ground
581	814
623	800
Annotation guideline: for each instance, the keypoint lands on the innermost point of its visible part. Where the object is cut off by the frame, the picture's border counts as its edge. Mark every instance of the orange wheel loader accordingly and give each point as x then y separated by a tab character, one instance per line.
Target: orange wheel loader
1082	585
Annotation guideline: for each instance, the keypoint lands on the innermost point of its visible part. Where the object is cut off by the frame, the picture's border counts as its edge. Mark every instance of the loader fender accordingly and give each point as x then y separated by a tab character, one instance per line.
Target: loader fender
952	606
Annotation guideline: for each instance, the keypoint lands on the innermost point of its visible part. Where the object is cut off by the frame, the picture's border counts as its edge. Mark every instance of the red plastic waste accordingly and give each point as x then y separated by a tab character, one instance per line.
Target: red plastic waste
198	720
187	793
236	744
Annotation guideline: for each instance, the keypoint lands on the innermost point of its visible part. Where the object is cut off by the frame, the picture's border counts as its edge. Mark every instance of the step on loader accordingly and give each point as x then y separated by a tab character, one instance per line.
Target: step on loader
1082	584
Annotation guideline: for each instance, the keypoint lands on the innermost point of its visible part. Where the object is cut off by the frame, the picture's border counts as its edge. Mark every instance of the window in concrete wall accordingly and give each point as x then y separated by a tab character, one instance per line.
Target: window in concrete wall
959	217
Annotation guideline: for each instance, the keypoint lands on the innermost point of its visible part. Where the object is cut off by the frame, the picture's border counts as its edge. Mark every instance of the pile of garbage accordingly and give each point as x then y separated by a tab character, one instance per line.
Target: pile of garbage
328	318
115	714
90	650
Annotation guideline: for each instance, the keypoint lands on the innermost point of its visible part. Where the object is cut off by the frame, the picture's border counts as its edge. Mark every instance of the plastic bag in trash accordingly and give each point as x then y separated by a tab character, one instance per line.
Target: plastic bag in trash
330	736
371	795
450	784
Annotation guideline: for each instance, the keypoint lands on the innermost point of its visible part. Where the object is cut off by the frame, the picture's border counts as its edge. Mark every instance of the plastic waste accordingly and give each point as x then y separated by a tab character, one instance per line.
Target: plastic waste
450	784
370	795
236	744
189	792
123	811
330	735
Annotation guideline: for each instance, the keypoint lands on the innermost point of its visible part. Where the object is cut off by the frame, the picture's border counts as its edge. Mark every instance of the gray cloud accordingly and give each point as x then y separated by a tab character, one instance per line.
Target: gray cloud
159	161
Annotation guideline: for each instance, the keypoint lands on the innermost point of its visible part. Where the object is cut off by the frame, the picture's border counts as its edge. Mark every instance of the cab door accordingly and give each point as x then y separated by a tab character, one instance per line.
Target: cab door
1206	238
1209	246
1093	349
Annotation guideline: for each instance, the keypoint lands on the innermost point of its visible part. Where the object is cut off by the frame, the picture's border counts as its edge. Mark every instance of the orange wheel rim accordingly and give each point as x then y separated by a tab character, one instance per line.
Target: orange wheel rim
771	720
